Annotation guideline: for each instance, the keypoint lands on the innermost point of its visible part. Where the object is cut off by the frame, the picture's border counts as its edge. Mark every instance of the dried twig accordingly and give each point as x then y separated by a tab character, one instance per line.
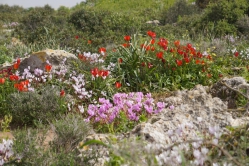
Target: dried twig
223	83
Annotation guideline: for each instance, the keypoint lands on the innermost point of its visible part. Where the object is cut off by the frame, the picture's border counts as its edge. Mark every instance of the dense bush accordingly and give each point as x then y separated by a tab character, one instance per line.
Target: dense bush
222	15
179	9
103	27
10	13
31	108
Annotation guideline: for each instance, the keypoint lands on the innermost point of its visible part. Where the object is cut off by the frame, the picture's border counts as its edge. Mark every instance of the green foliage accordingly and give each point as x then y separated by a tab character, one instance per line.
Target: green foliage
142	70
70	130
5	90
179	9
242	24
32	148
10	14
40	106
121	124
222	15
103	27
4	55
5	124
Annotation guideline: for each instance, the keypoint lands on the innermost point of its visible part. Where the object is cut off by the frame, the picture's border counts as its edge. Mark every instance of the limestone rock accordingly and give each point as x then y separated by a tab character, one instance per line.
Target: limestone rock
39	59
193	108
153	22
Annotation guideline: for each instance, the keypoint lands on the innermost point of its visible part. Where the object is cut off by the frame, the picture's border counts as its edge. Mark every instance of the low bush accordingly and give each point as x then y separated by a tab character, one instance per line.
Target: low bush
39	106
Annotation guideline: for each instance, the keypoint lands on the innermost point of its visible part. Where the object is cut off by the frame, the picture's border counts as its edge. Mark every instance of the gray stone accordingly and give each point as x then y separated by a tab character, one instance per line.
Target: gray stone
39	59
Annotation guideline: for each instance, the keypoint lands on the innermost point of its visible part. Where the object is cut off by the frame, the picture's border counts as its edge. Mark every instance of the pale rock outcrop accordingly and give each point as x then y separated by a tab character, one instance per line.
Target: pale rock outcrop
194	111
40	59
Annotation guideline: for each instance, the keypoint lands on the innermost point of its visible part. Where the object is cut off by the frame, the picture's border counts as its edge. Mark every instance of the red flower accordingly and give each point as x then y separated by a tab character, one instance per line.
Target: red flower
82	57
120	60
177	43
151	34
187	60
197	61
209	57
48	68
2	80
220	75
180	52
76	37
159	55
189	45
21	87
102	50
179	62
126	45
152	48
62	93
149	65
147	48
199	55
143	64
202	62
152	41
118	84
209	75
172	50
16	66
25	83
236	54
95	71
13	78
163	60
142	45
127	38
105	73
89	42
163	43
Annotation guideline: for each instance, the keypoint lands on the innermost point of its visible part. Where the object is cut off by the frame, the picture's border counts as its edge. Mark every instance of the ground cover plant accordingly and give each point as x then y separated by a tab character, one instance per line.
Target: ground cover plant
111	89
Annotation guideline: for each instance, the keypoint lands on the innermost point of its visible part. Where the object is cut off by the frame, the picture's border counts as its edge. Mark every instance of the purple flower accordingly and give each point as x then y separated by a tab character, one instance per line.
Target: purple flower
137	107
171	107
91	110
148	108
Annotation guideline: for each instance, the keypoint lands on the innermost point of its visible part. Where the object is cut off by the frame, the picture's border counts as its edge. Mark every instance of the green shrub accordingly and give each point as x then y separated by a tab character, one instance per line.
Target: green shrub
10	14
243	24
4	55
35	146
40	106
103	27
179	9
69	131
222	16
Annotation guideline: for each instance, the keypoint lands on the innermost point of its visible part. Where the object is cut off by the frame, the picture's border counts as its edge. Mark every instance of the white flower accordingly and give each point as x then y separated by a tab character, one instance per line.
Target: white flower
204	150
215	141
81	108
1	162
197	154
2	148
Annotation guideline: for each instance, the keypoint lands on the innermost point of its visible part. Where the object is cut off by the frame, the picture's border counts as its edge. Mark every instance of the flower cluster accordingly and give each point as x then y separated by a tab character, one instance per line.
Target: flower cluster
195	150
5	151
91	58
78	84
133	104
99	73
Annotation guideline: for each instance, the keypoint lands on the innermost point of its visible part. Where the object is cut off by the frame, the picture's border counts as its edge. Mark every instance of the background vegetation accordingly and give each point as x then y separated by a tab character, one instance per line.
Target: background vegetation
199	42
